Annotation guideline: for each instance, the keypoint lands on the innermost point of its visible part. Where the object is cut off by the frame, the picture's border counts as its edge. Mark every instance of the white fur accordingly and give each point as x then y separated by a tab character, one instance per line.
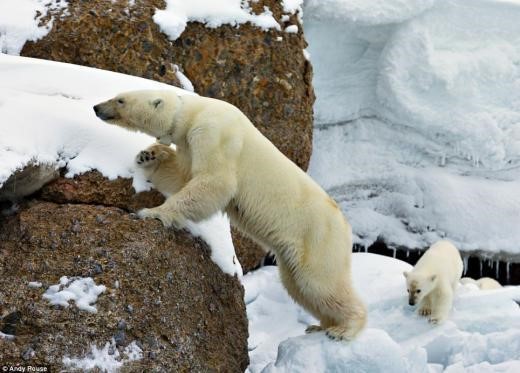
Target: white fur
222	162
484	283
432	282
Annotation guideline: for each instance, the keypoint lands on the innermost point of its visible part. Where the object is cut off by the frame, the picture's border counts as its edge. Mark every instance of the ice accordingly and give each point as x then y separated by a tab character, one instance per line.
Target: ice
173	20
417	119
483	330
46	117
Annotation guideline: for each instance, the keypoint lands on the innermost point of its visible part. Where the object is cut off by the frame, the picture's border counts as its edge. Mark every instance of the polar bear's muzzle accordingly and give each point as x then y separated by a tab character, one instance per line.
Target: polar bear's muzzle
105	111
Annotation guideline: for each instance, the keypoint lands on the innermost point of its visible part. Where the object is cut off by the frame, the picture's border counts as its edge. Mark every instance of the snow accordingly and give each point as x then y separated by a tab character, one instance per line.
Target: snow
34	284
216	232
292	6
107	359
173	20
8	337
183	79
19	22
482	332
47	118
292	29
368	12
417	119
82	290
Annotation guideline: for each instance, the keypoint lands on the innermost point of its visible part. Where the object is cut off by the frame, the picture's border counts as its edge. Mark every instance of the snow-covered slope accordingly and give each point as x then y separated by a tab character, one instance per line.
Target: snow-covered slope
418	118
482	333
46	116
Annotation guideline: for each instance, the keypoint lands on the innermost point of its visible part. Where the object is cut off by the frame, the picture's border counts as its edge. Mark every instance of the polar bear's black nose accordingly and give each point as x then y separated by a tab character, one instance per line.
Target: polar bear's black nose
411	303
96	109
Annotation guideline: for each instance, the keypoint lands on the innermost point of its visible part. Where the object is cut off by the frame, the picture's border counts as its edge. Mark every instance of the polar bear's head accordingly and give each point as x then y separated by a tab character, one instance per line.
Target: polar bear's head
151	112
419	285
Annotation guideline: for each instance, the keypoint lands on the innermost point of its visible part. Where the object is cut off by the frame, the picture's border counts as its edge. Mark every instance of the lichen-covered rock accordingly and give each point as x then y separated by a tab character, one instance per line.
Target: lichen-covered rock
264	73
93	188
163	291
27	181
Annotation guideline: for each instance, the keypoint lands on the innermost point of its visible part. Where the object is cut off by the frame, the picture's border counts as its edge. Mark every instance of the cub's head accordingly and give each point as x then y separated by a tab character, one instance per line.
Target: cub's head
147	111
419	285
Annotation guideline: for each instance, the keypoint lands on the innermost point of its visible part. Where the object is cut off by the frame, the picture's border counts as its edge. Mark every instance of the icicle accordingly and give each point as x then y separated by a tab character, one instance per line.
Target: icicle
497	269
407	253
507	271
480	266
394	252
465	261
365	248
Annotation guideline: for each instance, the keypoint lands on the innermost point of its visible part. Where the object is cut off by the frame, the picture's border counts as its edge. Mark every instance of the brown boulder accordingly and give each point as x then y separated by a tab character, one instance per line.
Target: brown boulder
93	188
163	291
267	78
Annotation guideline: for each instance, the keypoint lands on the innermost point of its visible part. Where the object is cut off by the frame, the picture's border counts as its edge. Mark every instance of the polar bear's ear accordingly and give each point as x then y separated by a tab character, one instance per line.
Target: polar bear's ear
433	278
157	102
405	274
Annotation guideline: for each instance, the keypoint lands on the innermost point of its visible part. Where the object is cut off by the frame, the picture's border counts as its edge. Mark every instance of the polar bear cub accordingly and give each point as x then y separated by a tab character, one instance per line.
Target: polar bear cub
223	163
432	282
484	283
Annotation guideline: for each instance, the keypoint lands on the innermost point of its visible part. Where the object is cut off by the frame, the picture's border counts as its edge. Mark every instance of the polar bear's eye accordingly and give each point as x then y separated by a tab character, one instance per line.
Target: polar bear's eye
418	291
120	101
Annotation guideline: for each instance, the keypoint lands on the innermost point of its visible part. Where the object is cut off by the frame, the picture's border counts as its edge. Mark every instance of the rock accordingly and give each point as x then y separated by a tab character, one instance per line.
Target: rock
265	74
93	188
27	181
196	322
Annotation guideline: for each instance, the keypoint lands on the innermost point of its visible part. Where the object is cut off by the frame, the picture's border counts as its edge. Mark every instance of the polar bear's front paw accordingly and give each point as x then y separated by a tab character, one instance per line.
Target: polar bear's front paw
146	158
424	311
167	219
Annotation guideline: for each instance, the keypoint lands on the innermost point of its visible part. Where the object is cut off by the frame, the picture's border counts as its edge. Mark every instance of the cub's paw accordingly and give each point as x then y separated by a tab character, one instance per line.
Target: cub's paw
424	311
146	158
436	319
340	333
313	329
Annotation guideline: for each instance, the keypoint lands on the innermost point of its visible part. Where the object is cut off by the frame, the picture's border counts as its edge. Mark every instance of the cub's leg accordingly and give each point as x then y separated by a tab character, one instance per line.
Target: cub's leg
425	308
442	302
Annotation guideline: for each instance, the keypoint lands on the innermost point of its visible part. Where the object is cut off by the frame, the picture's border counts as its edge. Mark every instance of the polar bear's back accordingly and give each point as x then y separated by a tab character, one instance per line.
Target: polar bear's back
442	258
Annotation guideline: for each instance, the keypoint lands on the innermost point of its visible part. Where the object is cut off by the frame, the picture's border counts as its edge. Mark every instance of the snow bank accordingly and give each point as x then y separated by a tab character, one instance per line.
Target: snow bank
368	12
483	330
83	291
107	359
174	19
417	113
46	117
19	22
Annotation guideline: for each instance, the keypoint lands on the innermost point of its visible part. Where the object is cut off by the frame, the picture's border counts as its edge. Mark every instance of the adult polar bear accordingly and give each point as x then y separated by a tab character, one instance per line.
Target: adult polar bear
222	162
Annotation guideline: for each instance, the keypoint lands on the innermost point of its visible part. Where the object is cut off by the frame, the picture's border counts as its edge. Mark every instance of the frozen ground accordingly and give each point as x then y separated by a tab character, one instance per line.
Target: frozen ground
418	118
46	116
481	335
